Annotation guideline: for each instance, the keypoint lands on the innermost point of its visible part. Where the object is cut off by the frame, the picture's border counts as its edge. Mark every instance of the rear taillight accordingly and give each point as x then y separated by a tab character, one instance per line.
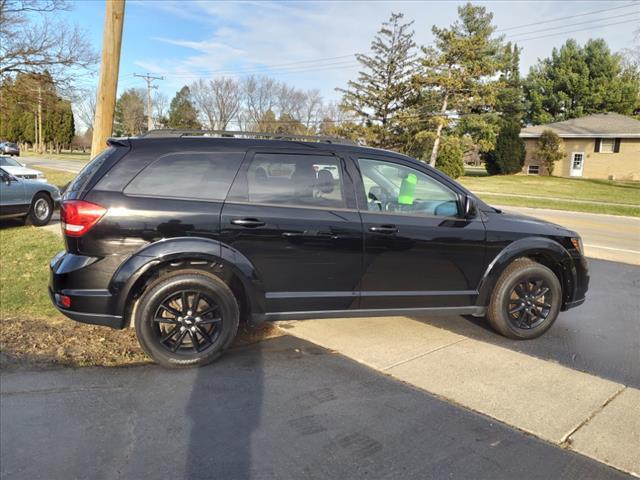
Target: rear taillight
78	217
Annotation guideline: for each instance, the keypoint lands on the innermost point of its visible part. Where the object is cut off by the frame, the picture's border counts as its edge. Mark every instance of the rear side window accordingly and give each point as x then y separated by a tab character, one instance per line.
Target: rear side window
298	180
82	179
201	176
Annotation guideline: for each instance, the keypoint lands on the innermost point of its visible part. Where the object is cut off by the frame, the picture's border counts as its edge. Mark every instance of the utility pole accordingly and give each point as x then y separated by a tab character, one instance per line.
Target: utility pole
108	86
149	79
40	142
35	131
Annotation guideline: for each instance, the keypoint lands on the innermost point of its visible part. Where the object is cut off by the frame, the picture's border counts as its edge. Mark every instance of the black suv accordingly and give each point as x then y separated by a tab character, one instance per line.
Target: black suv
183	235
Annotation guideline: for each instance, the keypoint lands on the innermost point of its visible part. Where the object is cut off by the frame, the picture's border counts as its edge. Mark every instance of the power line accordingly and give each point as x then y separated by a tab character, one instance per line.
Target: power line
635	20
557	19
573	24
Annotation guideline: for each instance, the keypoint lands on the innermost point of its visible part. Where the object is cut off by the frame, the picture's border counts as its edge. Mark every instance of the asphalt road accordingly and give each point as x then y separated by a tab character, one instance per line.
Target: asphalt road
609	237
601	337
276	410
73	166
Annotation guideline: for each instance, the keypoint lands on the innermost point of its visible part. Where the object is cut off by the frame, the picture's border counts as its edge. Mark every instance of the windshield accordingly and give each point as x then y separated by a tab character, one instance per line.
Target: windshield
8	162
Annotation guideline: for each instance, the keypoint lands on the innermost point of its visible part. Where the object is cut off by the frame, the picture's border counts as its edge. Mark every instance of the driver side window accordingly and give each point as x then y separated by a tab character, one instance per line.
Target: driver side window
397	189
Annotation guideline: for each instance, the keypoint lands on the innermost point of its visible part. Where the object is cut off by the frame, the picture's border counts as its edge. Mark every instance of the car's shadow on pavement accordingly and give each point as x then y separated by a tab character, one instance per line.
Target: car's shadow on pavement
223	413
601	337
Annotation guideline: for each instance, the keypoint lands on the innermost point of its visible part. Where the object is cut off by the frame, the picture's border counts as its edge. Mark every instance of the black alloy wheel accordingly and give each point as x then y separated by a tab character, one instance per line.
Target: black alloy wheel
529	303
525	301
186	318
188	321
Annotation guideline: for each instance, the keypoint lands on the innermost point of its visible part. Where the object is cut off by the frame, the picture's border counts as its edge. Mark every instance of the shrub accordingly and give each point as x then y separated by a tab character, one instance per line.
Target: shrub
450	156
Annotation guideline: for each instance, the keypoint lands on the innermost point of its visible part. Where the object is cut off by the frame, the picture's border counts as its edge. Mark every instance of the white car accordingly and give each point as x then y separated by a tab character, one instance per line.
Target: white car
17	169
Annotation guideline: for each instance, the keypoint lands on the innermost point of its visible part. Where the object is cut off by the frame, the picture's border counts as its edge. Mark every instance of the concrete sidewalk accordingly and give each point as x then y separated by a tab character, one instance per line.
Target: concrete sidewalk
582	412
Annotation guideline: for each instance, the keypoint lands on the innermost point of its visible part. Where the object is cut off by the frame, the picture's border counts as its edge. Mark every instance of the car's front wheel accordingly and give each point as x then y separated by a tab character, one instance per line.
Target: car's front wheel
41	210
186	319
526	300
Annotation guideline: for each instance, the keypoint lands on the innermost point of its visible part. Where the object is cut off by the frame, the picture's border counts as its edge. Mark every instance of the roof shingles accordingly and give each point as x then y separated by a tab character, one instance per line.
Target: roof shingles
597	125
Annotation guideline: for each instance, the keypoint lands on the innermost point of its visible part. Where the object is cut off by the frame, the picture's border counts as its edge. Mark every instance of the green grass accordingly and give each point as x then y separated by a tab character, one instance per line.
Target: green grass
79	156
560	205
59	178
24	269
555	189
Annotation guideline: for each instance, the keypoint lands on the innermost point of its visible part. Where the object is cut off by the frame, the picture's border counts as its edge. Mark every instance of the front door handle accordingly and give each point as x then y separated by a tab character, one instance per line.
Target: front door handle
385	229
248	222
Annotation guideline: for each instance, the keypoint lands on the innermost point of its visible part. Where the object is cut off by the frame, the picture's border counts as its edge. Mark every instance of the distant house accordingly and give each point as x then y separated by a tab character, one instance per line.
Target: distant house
605	145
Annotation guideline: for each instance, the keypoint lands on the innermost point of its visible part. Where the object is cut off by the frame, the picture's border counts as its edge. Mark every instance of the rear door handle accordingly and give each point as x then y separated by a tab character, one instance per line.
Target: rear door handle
385	229
248	222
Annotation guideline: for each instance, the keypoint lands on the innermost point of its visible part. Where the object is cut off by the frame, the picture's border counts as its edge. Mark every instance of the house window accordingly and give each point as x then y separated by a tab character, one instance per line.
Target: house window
606	145
534	170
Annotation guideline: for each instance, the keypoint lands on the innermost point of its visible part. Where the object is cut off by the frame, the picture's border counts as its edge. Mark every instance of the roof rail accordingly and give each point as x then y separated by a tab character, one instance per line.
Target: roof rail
170	132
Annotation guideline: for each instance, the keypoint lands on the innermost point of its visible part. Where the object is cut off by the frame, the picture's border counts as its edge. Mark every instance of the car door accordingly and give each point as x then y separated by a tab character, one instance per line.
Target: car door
13	199
418	251
293	215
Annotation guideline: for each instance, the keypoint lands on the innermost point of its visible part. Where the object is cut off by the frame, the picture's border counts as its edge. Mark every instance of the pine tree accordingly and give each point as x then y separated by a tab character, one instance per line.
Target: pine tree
182	113
458	71
577	81
383	86
509	153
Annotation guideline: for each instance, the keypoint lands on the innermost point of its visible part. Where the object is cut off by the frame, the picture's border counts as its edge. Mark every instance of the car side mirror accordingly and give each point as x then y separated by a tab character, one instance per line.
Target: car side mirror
468	206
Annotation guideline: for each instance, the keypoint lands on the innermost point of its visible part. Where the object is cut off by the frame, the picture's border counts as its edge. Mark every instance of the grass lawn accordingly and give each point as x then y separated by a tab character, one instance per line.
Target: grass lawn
59	178
555	189
79	156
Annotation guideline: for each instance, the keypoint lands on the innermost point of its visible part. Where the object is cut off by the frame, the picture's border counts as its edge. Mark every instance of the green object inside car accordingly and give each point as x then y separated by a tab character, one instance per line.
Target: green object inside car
408	189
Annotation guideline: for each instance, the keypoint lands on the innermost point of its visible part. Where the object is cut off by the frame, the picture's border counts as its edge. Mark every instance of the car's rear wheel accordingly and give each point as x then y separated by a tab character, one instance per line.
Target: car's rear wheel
186	319
526	300
41	210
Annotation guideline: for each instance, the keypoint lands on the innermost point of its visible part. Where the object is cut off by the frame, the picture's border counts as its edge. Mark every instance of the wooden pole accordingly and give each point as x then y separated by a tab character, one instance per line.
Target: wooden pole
40	142
108	86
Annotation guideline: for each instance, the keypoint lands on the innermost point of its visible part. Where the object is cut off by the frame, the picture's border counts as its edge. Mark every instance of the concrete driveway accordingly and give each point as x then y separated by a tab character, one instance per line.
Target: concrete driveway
282	409
577	386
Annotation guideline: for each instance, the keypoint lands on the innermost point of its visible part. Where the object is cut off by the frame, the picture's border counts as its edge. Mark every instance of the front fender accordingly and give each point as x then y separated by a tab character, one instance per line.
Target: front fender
171	250
529	247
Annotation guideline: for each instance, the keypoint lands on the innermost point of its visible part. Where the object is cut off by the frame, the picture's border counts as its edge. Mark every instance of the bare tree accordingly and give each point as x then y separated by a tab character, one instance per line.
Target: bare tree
33	41
260	96
228	98
85	106
312	109
160	108
205	101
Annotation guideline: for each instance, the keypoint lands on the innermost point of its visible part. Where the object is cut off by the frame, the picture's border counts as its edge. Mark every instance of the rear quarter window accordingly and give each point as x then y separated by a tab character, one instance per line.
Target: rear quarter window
188	175
89	170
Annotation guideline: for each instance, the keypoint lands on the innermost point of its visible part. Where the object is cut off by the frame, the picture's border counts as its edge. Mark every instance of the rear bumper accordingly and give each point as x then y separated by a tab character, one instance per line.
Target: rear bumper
113	321
70	275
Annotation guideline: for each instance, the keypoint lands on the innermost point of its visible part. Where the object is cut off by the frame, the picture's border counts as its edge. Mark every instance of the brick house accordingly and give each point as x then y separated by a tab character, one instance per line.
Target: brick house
605	146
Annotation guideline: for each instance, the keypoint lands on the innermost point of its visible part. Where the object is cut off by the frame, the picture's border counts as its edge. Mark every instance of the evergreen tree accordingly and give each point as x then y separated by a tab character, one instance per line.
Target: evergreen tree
182	113
450	157
383	85
458	72
509	153
508	156
577	81
549	150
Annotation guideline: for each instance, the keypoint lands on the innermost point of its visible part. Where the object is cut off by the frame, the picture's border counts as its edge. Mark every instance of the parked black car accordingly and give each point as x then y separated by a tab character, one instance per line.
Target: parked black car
182	236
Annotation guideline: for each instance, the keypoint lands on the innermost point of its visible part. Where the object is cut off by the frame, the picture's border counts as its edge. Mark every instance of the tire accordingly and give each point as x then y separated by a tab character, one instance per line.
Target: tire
197	338
41	210
526	300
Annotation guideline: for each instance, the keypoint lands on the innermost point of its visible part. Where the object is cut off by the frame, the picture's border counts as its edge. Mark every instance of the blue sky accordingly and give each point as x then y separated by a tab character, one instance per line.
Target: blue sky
309	44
